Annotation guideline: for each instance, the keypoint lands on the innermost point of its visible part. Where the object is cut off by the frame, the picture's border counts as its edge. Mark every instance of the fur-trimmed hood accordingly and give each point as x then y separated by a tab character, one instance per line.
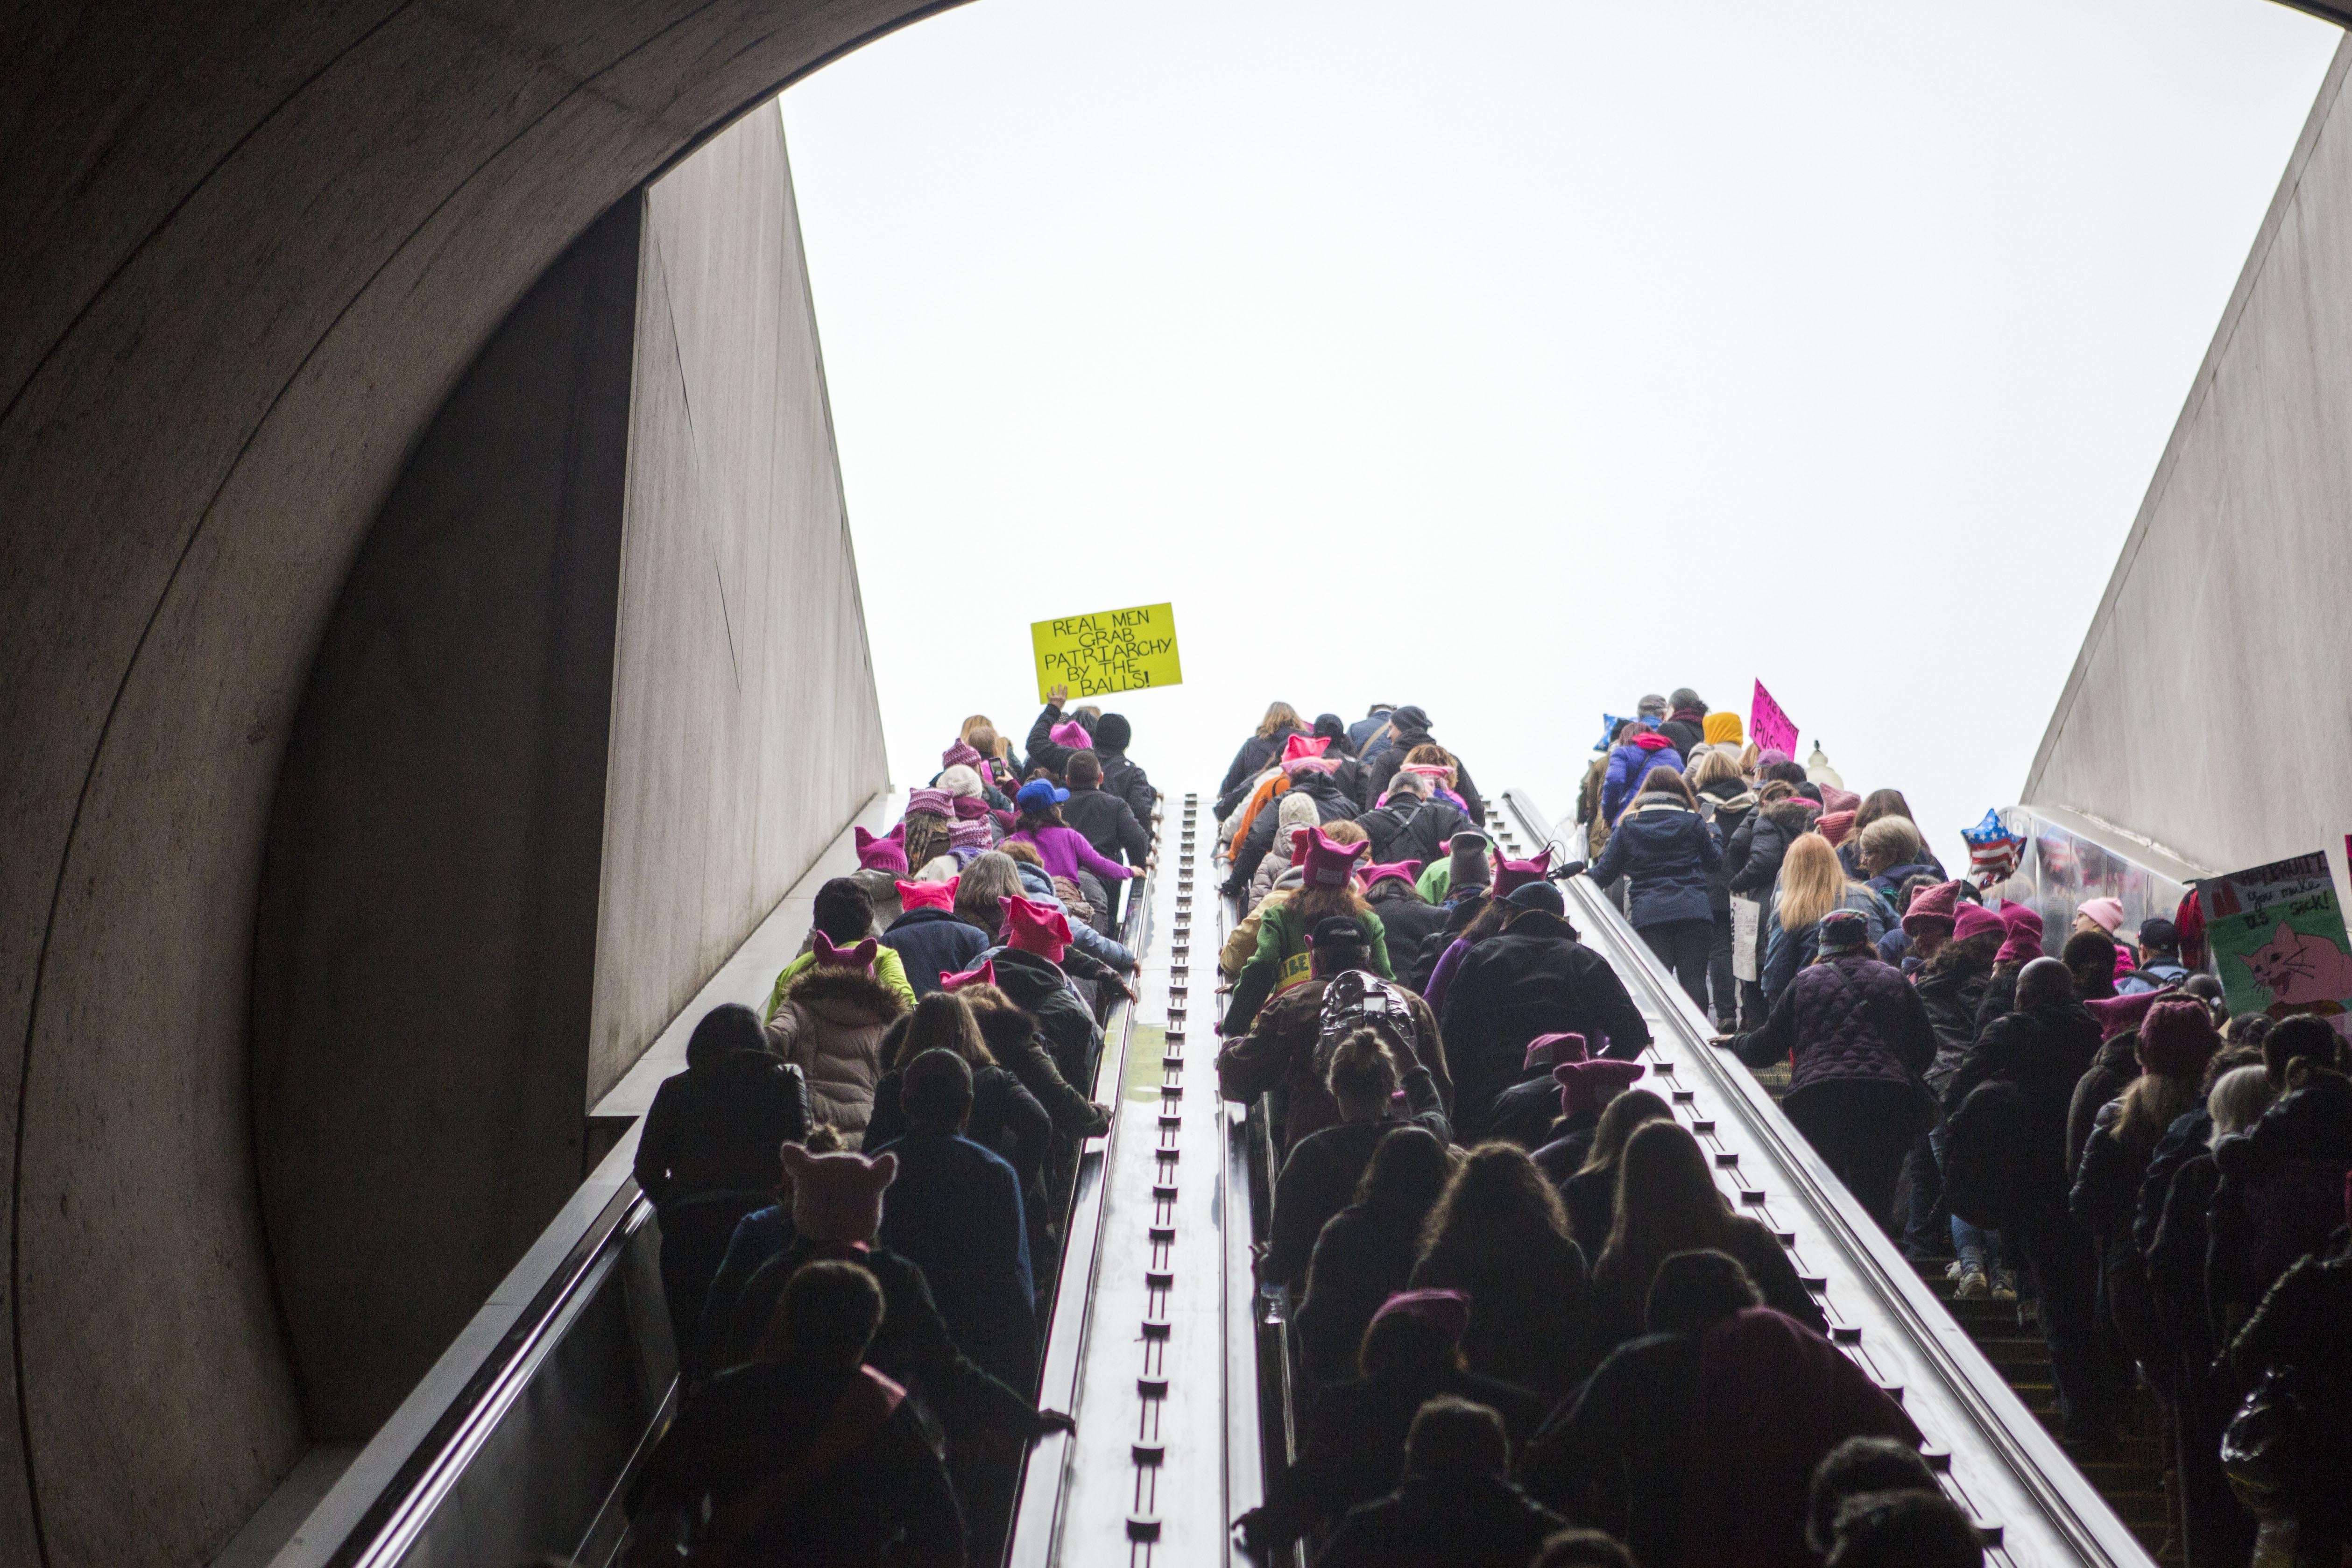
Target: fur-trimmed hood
1793	816
850	997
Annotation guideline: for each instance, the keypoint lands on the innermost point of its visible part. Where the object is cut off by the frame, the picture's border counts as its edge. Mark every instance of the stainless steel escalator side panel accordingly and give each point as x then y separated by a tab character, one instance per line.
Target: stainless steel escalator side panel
2005	1468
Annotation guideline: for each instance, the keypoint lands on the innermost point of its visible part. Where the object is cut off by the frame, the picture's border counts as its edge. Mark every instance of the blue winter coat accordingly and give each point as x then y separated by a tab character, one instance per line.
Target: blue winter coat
1666	852
1787	952
1629	764
932	943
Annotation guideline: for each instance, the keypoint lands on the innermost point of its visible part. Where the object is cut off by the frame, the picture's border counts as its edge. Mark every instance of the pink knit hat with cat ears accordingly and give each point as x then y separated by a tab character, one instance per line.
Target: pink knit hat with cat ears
961	753
927	895
984	975
1395	870
2116	1014
1974	920
882	852
1510	875
969	835
1033	927
1448	1311
1588	1086
1550	1050
1070	733
837	1197
860	956
937	802
1328	864
1307	752
2177	1036
2024	928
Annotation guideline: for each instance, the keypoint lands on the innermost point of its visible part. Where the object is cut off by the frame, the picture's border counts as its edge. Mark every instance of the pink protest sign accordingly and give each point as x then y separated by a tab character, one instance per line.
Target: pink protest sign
1769	727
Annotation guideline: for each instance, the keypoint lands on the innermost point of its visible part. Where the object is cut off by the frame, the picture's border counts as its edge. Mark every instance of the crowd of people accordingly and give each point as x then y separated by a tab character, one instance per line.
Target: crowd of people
860	1185
1532	1326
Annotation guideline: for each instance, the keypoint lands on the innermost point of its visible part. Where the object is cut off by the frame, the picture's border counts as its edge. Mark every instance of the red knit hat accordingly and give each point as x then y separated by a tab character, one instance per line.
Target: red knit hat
1585	1086
1033	927
837	1197
927	895
2116	1014
2177	1038
860	956
1550	1050
882	852
1512	874
1932	908
1327	863
1975	920
1395	870
984	975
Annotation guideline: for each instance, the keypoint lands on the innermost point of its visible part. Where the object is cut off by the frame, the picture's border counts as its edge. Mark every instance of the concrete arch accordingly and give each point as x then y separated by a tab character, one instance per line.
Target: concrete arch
252	247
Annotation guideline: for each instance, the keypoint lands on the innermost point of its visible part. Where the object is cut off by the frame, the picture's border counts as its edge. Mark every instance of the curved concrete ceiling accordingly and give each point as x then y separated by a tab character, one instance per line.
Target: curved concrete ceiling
250	246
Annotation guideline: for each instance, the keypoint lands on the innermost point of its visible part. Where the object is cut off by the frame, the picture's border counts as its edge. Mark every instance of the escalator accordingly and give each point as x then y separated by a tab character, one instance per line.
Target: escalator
527	1434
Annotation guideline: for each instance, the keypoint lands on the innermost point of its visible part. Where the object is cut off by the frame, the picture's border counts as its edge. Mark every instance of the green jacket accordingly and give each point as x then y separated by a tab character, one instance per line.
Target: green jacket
888	968
1280	962
1436	877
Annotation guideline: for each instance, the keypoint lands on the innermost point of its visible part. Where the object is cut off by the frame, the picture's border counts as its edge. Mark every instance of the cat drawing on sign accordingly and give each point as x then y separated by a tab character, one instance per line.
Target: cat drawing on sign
2298	968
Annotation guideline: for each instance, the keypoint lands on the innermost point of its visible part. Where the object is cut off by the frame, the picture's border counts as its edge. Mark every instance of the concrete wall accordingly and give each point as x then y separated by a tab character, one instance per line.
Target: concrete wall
2208	711
745	725
425	948
251	248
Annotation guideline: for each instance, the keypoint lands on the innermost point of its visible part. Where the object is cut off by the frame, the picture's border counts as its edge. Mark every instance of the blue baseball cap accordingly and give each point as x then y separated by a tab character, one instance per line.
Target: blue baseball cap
1039	794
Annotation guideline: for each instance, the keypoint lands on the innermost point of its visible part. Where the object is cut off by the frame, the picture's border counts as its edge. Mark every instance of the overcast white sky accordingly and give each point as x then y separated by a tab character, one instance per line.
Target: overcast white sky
1519	357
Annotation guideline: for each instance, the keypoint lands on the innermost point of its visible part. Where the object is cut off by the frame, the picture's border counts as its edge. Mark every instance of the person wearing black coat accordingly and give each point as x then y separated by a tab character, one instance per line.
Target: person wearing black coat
1039	987
707	1156
1331	805
1353	1447
1012	1038
2044	1047
1410	726
1006	1118
1102	818
1047	753
2298	1334
1456	1504
1256	754
1535	977
932	943
1121	775
1761	842
1405	920
1366	1252
803	1455
955	1212
1412	826
1324	1168
1669	855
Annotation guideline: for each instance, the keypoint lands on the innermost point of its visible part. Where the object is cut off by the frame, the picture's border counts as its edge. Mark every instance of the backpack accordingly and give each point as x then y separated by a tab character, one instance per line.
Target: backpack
1987	1161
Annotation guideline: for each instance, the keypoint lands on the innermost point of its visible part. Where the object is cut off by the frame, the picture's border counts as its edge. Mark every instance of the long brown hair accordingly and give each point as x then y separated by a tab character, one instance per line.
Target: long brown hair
1663	780
1498	1196
1625	1114
1278	714
943	1022
1881	803
1668	1202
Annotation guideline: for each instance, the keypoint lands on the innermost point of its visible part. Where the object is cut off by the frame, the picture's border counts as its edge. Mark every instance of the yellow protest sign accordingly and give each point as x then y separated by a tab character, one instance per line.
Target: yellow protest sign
1110	650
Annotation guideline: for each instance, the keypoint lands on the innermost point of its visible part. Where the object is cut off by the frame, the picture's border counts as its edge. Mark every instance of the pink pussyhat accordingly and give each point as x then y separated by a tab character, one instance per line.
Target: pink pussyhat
960	752
1836	799
1836	826
837	1197
1588	1086
1304	749
1395	870
2024	928
861	956
1975	920
970	808
984	975
1070	733
1033	927
882	852
1446	1310
2116	1014
1550	1050
927	895
1328	864
937	802
2108	913
1511	875
1437	771
969	835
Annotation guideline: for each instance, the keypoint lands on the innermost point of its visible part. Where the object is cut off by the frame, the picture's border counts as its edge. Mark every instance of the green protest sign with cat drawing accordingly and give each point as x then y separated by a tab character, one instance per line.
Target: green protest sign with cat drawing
2277	934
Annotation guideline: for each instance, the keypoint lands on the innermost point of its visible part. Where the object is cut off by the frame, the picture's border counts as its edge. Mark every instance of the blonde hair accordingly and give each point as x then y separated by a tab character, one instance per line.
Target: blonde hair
1277	714
1751	757
977	722
1713	768
1347	833
1021	849
1812	883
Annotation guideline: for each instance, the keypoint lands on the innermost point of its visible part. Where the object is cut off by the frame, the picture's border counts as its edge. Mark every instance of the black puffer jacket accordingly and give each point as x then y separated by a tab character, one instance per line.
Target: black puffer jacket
1408	922
1534	978
1124	778
1767	834
1104	821
1847	1019
1409	830
2043	1052
1951	993
1039	988
1669	855
2282	1182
